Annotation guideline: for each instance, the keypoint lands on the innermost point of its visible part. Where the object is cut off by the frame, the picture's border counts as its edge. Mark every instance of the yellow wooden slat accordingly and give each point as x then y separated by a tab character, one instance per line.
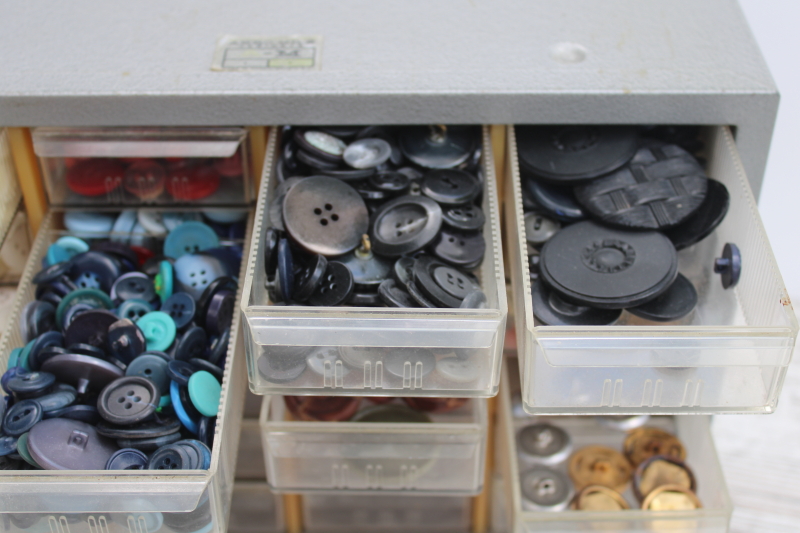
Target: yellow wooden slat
258	151
481	504
29	176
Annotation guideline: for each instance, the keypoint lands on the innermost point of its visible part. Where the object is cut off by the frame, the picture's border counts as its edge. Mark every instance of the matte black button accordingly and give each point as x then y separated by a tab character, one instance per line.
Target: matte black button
126	340
450	186
82	371
704	220
367	153
63	444
30	384
570	154
729	266
394	296
306	283
90	327
460	248
555	200
220	311
336	286
21	417
128	400
539	228
676	302
438	146
325	215
464	217
202	364
127	459
271	238
405	225
192	344
180	372
158	426
181	307
659	188
444	285
552	310
391	182
133	285
607	268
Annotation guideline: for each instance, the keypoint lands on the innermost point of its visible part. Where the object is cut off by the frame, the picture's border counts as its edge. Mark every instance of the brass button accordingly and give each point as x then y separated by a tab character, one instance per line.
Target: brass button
659	471
598	465
671	498
645	442
599	498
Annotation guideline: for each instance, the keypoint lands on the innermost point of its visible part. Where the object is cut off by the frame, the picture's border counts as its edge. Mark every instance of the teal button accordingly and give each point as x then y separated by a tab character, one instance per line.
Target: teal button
13	357
133	309
24	355
93	297
189	238
159	330
204	391
65	249
163	281
22	449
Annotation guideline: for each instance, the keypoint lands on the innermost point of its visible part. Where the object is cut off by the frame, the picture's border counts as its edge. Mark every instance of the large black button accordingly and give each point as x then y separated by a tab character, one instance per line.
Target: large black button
704	220
675	303
551	310
450	186
438	146
460	248
405	225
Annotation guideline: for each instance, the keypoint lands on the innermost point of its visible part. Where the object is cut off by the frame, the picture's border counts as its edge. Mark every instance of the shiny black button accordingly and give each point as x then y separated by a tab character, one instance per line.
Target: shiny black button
450	186
309	278
394	296
464	217
394	183
405	225
444	285
336	286
90	327
460	248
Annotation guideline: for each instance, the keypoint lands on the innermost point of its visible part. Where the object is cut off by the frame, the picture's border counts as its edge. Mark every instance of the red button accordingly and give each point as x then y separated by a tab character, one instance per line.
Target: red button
145	179
229	167
95	177
192	182
142	254
322	408
435	405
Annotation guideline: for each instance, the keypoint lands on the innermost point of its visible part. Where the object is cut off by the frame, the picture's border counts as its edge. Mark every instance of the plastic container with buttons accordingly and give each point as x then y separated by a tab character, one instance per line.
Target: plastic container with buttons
144	166
411	306
610	318
123	463
351	444
635	473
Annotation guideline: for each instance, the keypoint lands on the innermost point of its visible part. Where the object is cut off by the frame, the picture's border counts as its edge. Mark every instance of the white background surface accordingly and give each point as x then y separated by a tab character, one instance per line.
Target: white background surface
760	454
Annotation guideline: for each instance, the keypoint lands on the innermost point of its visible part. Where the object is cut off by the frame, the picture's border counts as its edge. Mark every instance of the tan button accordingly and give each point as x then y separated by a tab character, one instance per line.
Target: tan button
598	465
599	498
660	471
645	442
671	498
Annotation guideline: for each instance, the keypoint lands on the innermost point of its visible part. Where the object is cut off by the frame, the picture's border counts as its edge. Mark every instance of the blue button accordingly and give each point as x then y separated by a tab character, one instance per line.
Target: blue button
180	411
181	307
65	249
174	219
133	309
195	272
159	330
95	268
121	231
189	237
127	459
86	225
225	216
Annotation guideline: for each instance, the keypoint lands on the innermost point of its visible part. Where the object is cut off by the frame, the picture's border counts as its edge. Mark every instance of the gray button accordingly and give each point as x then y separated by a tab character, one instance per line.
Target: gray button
539	228
82	371
323	361
405	225
367	153
544	443
63	444
325	142
128	400
457	371
357	356
545	489
412	363
325	215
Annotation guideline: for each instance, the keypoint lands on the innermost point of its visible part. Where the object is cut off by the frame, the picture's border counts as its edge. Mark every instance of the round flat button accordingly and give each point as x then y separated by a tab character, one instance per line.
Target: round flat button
322	408
21	417
659	188
325	215
544	443
220	311
30	384
598	498
405	225
181	308
335	287
189	238
87	225
95	177
393	295
191	182
133	309
645	442
145	179
63	444
464	217
607	268
180	409
598	465
455	370
309	278
195	272
552	310
65	248
193	344
438	146
95	269
409	362
367	153
81	413
127	459
157	426
82	371
133	285
170	457
159	330
90	327
659	471
128	400
545	489
390	182
63	397
202	364
392	414
704	220
403	271
446	286
459	248
151	367
570	154
539	228
450	186
673	304
205	390
557	201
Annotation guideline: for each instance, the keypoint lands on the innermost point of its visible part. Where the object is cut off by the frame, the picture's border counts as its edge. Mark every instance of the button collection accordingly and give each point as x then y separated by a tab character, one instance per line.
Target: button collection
149	180
606	210
352	204
556	476
125	347
358	409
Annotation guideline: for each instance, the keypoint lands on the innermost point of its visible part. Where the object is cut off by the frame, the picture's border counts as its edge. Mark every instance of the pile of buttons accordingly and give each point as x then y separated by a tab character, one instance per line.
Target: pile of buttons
377	216
607	208
150	179
125	344
378	409
652	463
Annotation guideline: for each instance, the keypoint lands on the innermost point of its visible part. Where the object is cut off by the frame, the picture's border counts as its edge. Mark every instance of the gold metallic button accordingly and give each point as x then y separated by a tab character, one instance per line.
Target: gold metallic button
599	498
598	465
671	498
645	442
659	471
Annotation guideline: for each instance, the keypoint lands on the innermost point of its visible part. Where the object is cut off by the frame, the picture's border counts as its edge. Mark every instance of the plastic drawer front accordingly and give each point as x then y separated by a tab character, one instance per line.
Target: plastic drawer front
385	514
52	500
250	462
446	456
477	334
694	433
144	166
255	509
732	358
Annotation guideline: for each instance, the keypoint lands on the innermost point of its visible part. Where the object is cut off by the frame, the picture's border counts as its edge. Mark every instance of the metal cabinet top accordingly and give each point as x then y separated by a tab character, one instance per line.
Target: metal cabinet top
149	62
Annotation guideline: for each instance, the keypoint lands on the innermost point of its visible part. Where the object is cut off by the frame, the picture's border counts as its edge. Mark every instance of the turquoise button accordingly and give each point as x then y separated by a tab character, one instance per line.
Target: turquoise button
13	357
159	330
204	391
24	355
189	238
121	232
163	281
73	245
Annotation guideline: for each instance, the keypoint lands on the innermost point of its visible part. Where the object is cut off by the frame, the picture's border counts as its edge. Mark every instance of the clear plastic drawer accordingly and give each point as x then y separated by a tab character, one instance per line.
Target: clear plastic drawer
701	456
124	500
144	166
250	464
446	456
284	336
731	358
255	509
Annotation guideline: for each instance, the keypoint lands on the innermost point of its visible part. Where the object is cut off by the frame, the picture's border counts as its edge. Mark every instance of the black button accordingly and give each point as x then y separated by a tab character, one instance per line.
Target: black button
90	327
438	146
335	287
364	299
394	296
45	340
676	302
464	217
729	266
192	344
309	278
551	310
444	285
52	273
128	400
394	183
284	281
349	174
126	340
219	347
320	144
403	271
405	225
450	186
557	201
460	248
313	162
220	311
158	426
220	284
180	372
271	238
82	371
169	457
704	220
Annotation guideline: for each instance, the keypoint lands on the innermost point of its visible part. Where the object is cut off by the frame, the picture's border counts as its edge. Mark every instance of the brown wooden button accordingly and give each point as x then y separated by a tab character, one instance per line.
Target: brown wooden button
598	465
645	442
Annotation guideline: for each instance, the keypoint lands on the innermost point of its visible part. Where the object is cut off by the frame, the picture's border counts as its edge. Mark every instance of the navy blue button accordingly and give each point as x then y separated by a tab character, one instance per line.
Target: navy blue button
50	338
127	459
170	457
220	311
204	302
30	384
125	340
180	372
95	267
51	273
202	364
192	344
152	367
181	307
90	327
285	277
63	397
157	426
81	413
22	417
133	285
8	444
219	348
